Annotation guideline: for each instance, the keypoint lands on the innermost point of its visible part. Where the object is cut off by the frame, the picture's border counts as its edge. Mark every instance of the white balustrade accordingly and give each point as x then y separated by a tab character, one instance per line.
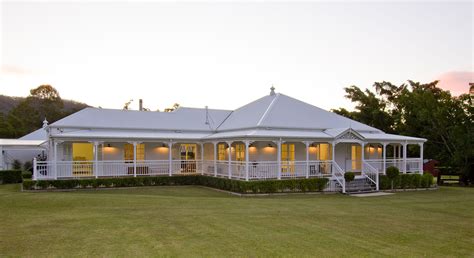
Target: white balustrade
258	170
263	170
413	165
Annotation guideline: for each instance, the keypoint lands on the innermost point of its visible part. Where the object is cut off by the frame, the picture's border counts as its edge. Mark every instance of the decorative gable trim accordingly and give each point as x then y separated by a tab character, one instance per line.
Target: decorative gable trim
349	136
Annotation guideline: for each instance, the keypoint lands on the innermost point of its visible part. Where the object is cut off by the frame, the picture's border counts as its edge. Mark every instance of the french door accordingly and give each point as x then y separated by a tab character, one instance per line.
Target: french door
288	158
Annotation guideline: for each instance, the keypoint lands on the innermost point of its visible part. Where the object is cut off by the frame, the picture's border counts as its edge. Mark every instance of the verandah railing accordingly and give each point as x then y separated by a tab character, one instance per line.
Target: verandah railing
235	169
260	170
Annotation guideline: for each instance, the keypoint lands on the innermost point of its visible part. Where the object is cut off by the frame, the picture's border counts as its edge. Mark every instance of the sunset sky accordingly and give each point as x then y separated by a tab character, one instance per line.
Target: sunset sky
225	55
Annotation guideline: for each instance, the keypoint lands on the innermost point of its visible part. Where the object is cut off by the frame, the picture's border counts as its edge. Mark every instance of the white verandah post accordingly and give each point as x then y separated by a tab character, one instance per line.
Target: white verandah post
55	150
384	165
279	159
405	158
2	164
134	159
35	169
421	158
229	165
333	154
247	143
202	158
307	159
96	168
170	160
362	158
215	158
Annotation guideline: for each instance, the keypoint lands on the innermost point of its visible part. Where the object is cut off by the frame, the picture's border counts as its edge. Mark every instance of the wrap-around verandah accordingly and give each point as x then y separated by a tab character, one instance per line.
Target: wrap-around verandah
246	160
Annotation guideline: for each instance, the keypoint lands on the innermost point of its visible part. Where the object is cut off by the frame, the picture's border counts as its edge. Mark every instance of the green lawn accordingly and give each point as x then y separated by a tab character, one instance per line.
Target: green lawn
195	221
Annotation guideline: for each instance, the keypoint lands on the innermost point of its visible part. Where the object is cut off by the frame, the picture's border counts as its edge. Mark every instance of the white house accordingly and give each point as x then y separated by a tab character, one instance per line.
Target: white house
274	137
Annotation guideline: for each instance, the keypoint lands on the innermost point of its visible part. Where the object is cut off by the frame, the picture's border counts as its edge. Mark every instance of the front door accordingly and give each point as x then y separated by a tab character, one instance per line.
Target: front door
188	158
354	164
288	158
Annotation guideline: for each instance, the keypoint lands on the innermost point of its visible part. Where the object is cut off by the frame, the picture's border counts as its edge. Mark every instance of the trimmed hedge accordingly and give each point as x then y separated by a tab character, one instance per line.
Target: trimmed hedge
268	186
406	181
26	174
10	176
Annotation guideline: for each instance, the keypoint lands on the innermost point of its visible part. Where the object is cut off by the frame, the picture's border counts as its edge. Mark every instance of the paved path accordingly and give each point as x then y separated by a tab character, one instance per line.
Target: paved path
371	194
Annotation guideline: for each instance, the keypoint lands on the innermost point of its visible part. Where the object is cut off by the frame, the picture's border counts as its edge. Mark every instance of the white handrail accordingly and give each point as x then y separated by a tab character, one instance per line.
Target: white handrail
339	175
371	173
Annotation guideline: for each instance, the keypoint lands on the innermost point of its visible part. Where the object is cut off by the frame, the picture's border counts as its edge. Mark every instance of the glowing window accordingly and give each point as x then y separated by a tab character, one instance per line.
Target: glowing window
240	152
128	151
221	151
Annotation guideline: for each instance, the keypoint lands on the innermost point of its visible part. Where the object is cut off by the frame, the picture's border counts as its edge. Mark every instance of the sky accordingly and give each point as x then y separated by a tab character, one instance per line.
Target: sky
226	54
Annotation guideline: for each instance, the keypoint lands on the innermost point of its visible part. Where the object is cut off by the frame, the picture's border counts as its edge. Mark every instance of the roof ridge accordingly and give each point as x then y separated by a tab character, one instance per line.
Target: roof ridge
223	121
268	109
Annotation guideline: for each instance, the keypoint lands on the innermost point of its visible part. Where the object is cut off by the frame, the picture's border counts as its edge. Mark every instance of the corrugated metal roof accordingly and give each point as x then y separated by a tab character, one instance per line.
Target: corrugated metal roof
281	111
17	142
129	134
388	137
262	133
270	116
39	134
180	119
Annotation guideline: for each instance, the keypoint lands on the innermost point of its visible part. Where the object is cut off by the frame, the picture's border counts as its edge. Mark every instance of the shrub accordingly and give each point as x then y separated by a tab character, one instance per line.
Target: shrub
26	174
415	181
405	181
349	176
427	180
28	166
28	184
16	164
10	176
392	174
268	186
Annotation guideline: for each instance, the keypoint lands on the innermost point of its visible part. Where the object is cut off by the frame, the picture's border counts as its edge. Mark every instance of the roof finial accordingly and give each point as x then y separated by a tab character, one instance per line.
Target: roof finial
272	91
45	123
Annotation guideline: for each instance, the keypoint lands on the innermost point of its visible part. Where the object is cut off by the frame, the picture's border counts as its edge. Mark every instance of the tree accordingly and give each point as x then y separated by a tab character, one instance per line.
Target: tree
46	92
173	108
421	110
43	102
370	109
126	106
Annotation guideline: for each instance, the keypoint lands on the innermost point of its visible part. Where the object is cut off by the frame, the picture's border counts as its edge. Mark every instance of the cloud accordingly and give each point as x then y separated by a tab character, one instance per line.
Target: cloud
14	70
457	82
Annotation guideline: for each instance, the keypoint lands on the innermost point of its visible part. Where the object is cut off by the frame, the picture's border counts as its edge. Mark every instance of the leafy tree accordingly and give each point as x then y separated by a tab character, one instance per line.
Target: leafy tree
420	110
126	106
370	110
46	92
173	108
43	102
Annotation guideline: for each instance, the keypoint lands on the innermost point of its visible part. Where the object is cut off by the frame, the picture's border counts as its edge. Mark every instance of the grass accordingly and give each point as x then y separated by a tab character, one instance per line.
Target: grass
195	221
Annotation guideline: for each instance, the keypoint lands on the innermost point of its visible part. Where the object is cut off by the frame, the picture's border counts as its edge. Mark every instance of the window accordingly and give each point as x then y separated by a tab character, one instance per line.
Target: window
221	151
82	152
188	151
128	151
287	158
240	152
356	156
324	151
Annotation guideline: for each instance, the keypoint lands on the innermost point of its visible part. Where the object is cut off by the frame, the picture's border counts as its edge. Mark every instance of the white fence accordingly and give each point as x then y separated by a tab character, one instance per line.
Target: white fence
413	165
260	170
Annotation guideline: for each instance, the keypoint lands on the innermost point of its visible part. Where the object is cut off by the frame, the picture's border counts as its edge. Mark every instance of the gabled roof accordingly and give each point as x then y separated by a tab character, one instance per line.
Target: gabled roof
183	119
281	111
39	134
274	115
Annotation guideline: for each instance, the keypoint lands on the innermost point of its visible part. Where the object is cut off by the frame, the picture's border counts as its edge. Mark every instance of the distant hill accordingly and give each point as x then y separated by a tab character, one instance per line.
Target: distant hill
7	103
